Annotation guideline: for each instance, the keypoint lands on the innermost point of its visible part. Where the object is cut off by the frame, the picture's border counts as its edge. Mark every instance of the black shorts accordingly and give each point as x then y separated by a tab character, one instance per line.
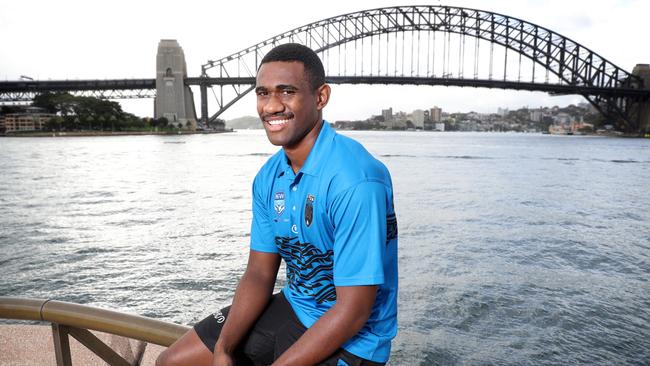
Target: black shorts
274	332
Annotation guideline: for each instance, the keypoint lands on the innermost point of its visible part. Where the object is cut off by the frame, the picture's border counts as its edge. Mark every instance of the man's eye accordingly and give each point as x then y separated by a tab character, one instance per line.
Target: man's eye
261	93
288	92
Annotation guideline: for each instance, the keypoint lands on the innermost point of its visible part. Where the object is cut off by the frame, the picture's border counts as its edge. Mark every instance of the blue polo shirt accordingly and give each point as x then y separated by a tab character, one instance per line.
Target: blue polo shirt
334	224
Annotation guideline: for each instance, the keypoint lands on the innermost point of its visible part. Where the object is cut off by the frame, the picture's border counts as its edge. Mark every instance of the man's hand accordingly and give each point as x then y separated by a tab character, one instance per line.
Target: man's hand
251	297
340	323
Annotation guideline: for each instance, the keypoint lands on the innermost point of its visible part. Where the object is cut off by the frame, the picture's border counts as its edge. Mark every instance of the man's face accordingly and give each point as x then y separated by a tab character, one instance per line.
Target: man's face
286	103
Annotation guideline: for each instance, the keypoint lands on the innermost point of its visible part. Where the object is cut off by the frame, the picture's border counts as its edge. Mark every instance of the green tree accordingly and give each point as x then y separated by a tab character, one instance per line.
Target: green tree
54	124
112	118
101	119
46	101
80	113
90	119
6	109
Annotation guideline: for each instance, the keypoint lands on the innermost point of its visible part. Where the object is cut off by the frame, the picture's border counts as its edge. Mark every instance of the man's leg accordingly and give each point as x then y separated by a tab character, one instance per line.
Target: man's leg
187	350
291	329
196	346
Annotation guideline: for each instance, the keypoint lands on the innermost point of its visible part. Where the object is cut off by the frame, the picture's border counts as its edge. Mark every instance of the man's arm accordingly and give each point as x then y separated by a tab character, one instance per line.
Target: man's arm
251	297
340	323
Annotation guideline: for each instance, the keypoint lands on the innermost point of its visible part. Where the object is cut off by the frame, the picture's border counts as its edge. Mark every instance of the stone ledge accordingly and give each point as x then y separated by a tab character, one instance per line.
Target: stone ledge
33	345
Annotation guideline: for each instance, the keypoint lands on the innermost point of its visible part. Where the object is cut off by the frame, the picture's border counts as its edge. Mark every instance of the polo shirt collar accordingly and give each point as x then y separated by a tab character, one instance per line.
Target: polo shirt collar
318	153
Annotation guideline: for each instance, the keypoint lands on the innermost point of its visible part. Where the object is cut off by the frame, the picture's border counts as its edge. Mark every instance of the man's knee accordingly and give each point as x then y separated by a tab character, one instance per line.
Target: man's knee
172	357
187	350
166	358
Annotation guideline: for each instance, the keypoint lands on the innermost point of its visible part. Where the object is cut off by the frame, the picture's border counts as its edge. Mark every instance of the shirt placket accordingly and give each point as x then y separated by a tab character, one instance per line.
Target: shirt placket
294	193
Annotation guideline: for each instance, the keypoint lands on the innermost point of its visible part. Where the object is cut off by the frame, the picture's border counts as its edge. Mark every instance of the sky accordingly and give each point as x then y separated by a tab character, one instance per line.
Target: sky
70	39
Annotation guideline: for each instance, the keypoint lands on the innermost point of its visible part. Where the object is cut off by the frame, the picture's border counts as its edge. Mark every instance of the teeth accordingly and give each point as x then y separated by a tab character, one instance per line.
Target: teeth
278	122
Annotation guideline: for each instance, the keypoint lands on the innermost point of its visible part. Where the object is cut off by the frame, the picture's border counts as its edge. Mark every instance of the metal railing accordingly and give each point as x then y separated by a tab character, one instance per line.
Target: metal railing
76	320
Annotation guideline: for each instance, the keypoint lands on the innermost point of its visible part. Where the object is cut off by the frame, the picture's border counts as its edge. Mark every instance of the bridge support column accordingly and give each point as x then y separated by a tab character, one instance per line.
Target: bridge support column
174	99
204	104
643	71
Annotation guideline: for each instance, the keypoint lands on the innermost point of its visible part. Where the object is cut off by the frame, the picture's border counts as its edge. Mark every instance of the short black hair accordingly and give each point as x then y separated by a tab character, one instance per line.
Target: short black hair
297	52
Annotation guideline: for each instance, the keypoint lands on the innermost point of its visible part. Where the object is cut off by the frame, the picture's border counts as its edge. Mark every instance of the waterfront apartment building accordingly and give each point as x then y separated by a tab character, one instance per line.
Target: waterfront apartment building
536	115
435	114
418	117
14	122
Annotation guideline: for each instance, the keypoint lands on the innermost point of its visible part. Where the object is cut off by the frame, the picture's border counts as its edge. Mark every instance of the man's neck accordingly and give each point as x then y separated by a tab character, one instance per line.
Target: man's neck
298	154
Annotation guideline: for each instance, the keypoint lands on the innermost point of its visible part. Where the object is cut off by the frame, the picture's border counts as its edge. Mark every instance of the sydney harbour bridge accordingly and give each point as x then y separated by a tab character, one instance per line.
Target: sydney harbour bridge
416	45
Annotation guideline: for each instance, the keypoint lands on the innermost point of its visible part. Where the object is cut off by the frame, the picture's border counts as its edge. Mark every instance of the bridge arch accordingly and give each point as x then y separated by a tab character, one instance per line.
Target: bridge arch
576	69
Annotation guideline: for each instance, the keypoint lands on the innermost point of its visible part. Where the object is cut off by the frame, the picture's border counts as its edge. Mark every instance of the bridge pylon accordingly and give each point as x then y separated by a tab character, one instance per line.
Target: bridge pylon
174	100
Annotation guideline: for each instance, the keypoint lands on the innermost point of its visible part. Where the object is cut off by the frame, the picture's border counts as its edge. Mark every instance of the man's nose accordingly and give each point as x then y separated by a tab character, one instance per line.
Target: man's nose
273	104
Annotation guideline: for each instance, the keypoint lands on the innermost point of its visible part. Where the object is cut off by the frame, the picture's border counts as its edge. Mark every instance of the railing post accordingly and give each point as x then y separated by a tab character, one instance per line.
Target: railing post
98	347
61	345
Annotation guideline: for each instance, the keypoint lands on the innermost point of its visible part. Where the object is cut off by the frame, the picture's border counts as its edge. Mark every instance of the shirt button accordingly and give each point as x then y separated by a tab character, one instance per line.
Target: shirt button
294	208
294	188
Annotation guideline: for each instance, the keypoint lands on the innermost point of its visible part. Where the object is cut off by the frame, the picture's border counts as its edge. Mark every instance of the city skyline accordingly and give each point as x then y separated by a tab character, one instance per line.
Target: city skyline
68	40
435	118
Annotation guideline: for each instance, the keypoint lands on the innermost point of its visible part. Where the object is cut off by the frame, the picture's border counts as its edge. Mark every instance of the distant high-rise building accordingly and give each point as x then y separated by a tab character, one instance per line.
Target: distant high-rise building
387	114
427	116
536	115
418	118
436	114
563	118
502	111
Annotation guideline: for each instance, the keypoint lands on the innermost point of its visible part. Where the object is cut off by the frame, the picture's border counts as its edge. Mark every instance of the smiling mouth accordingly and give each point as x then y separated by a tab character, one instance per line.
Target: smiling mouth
278	122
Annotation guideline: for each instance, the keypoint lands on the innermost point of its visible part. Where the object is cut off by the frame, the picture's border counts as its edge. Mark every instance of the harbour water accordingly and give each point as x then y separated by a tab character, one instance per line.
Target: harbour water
514	249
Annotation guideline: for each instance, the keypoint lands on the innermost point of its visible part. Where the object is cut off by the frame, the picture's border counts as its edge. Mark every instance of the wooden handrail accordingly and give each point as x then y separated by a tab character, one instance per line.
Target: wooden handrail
88	317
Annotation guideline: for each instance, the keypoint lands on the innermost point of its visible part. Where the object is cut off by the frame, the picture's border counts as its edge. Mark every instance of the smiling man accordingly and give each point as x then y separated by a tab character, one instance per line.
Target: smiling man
324	205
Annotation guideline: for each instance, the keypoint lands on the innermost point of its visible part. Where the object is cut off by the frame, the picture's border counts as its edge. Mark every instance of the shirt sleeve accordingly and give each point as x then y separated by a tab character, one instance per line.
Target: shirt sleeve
359	216
262	238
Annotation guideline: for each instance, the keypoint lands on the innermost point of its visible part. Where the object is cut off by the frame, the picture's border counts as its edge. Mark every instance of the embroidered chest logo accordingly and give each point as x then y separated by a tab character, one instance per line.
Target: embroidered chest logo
309	210
278	203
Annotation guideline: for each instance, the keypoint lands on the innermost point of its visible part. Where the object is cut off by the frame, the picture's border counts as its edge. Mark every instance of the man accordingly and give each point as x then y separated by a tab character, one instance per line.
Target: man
325	206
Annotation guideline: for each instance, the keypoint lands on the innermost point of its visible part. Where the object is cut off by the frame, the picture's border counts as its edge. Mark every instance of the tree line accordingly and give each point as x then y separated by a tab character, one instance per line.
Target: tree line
78	113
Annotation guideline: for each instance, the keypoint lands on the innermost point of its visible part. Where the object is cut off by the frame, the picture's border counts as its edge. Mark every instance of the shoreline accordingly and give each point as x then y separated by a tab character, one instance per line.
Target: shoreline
109	133
173	133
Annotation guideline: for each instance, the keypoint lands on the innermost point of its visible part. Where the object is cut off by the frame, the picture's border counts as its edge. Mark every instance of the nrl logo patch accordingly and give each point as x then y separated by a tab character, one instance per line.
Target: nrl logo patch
309	210
278	202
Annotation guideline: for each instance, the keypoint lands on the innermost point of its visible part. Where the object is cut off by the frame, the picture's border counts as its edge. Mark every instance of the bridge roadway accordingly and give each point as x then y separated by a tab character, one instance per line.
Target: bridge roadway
26	90
8	88
39	86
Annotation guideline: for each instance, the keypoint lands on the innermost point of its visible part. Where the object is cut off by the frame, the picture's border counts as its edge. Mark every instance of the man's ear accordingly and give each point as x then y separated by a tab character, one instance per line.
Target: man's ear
323	95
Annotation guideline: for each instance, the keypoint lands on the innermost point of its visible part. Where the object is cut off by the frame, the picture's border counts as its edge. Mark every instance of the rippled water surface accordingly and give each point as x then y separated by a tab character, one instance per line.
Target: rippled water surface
514	248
